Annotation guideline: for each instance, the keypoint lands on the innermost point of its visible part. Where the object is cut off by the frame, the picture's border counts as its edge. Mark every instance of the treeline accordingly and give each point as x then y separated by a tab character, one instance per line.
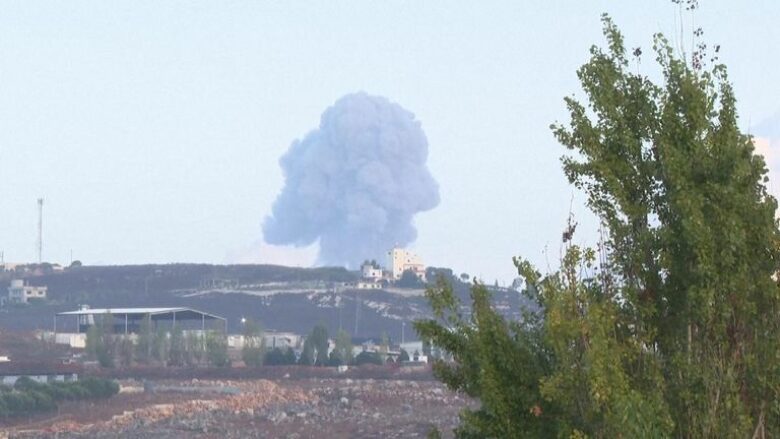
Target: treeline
28	396
174	347
159	346
315	352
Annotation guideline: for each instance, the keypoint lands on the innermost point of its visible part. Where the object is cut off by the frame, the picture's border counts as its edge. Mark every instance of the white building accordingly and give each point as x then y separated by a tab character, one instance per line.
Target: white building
281	340
21	292
402	260
371	271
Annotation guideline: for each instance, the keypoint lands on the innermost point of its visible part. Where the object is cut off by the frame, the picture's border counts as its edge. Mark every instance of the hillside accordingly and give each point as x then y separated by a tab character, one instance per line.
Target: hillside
281	298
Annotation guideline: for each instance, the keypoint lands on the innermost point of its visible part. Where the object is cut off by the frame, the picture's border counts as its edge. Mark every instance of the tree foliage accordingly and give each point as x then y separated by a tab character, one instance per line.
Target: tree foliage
217	349
279	357
253	351
671	329
409	279
342	351
315	347
28	396
145	339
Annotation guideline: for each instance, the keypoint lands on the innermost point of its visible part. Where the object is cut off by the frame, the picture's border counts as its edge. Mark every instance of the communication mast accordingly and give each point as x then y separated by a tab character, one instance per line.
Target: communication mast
40	230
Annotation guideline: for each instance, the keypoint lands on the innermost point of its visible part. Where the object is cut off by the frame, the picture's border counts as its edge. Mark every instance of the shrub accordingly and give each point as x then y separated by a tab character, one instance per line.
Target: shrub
368	358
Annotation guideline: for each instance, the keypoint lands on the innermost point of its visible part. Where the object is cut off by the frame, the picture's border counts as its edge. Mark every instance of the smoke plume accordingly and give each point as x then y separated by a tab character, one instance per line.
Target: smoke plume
354	183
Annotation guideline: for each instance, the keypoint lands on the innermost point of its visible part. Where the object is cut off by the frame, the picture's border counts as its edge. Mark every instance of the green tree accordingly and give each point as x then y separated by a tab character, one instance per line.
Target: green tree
307	354
126	350
274	357
692	246
289	356
254	346
501	363
145	340
177	350
196	348
216	350
384	347
93	341
317	343
160	345
671	330
409	280
366	357
104	344
342	351
99	341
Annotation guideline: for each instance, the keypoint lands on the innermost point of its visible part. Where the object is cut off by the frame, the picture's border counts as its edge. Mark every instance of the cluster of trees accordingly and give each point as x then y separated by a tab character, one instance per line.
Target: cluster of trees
28	396
670	327
173	347
315	350
161	346
255	353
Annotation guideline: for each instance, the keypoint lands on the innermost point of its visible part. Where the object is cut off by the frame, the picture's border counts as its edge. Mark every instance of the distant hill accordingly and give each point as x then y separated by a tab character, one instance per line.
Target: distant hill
281	298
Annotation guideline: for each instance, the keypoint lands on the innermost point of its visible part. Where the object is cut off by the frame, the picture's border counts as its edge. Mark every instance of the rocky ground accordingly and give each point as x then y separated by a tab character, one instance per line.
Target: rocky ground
317	407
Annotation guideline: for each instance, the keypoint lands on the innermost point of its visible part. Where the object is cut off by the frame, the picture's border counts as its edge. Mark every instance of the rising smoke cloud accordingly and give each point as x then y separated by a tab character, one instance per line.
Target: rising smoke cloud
355	183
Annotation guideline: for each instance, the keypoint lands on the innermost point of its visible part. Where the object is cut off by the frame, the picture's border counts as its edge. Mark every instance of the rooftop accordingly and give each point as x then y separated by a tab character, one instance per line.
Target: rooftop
139	312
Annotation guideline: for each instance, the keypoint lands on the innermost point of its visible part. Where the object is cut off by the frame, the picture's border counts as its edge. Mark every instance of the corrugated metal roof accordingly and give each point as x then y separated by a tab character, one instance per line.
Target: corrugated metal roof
135	312
94	311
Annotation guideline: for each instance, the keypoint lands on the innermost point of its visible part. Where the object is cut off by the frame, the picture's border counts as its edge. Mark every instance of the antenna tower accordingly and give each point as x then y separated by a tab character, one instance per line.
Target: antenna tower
40	230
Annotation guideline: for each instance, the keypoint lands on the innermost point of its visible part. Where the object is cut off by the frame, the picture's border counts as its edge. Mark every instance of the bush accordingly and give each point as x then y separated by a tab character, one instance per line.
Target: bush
29	396
368	358
99	388
42	402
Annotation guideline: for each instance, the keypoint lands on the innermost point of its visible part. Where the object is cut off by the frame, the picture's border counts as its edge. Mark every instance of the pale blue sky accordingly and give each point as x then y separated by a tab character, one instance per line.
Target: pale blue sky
153	129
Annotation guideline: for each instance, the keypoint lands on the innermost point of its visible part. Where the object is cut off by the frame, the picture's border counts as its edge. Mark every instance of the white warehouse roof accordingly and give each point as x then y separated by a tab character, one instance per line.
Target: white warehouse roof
137	312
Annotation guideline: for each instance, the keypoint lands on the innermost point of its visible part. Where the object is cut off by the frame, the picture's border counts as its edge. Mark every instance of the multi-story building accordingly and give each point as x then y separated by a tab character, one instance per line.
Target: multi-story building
402	260
21	292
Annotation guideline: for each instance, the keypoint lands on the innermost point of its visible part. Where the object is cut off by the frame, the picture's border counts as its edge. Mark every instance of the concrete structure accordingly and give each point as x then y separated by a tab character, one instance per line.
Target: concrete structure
70	339
401	260
361	285
39	372
281	340
371	271
21	292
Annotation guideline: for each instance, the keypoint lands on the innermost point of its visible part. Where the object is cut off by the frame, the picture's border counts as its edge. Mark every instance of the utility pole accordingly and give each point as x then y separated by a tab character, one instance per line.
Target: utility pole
338	296
40	230
357	313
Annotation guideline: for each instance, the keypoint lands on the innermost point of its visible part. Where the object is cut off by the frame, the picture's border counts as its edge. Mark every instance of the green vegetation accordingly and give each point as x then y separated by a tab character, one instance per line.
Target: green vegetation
670	329
100	343
29	397
254	347
279	357
216	350
368	358
342	351
315	347
409	280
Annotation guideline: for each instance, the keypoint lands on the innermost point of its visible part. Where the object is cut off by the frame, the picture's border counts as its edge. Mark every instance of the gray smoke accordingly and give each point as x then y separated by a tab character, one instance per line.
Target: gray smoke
354	183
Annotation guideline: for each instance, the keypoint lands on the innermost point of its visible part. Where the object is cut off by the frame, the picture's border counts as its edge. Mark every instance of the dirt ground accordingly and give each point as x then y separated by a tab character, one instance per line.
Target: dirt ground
255	408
